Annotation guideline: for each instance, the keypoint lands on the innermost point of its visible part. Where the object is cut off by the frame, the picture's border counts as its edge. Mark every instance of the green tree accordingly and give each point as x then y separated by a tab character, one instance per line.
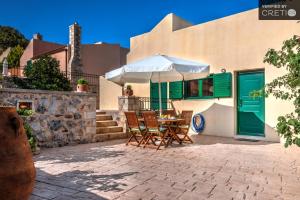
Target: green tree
14	56
44	74
286	87
10	37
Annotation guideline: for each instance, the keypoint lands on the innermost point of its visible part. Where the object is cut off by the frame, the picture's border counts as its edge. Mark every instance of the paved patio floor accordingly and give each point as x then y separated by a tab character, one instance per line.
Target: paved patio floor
212	168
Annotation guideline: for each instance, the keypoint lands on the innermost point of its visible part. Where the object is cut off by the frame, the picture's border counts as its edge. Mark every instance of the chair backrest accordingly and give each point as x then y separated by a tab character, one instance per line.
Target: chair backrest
172	113
150	119
187	116
132	120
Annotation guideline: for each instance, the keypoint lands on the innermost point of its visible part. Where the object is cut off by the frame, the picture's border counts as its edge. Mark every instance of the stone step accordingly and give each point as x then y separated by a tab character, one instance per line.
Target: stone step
100	112
110	136
104	117
109	129
106	123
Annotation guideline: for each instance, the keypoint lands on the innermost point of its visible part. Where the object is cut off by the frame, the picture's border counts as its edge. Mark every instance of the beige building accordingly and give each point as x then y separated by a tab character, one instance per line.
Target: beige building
77	60
94	59
236	44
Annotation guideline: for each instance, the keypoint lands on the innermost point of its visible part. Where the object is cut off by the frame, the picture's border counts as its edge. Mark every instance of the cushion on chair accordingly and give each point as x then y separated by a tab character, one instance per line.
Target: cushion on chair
161	129
142	128
183	126
180	126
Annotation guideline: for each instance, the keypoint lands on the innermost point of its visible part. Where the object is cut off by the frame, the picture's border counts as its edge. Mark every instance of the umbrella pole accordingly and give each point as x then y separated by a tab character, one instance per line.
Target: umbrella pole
159	94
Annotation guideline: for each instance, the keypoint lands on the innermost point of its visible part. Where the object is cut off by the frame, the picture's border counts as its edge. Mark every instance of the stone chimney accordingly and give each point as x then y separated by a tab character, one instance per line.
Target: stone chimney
37	36
74	64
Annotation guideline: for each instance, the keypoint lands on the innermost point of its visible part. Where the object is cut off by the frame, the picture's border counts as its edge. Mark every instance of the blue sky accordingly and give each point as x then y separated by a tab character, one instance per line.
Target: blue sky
113	21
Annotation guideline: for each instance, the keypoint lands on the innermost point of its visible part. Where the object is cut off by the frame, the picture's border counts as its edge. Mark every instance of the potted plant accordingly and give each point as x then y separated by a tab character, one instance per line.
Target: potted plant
82	85
128	90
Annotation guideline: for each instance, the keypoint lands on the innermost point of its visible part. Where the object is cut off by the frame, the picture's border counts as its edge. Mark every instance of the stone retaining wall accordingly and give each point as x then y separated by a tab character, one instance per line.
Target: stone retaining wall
60	118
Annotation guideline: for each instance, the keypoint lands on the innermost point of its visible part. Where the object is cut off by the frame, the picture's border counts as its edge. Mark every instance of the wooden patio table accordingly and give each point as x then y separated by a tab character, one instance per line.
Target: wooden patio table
168	122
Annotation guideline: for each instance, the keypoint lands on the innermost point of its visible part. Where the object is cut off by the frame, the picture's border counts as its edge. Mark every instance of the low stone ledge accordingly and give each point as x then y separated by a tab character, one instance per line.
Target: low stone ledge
60	118
16	90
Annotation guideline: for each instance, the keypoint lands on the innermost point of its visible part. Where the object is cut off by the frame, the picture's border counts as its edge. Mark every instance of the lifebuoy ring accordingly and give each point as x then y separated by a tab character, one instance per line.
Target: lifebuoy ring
198	123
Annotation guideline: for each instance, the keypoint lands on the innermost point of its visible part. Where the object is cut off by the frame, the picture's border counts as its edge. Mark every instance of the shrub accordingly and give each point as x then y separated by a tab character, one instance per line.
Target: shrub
129	87
31	138
25	112
286	87
82	81
44	74
23	83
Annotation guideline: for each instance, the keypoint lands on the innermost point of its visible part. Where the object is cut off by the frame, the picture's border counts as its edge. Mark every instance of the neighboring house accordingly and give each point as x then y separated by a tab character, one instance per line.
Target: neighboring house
88	61
38	47
93	59
237	44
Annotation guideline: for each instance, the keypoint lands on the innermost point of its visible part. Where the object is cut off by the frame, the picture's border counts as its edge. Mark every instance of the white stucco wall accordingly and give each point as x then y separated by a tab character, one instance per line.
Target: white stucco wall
108	94
236	43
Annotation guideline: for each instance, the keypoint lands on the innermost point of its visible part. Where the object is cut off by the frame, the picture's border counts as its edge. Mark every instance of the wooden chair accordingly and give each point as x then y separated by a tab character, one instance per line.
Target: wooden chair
172	113
134	128
184	126
154	131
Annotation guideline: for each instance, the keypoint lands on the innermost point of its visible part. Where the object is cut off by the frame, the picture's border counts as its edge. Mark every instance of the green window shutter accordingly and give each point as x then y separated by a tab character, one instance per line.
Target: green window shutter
200	87
176	90
222	85
29	62
154	95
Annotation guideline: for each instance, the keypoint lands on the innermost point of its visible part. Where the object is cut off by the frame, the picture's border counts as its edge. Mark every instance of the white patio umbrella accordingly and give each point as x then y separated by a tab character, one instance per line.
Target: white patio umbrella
158	68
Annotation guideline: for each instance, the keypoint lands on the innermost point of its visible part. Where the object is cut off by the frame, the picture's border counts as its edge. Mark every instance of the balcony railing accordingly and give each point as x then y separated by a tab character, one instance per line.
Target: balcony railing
92	79
144	103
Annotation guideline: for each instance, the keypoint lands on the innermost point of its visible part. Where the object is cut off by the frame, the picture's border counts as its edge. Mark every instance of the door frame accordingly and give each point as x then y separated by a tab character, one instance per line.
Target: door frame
235	93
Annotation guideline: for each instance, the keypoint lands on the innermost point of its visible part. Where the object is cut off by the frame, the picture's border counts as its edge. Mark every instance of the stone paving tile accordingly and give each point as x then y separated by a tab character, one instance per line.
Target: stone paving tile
33	197
212	168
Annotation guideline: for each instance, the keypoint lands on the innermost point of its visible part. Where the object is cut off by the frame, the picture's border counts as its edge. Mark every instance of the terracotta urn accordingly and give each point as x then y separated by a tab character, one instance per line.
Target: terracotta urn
128	92
82	88
17	171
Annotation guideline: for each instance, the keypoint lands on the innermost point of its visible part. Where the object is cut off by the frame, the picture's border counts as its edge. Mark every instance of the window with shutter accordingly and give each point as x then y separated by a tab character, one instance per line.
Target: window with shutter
176	90
207	88
199	89
222	85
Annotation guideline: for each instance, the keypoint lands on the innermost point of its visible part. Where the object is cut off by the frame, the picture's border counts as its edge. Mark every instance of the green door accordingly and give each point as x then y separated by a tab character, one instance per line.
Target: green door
250	111
154	96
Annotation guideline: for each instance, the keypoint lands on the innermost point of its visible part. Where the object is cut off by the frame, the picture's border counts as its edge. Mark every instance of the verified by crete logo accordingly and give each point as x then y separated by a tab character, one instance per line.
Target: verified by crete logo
279	9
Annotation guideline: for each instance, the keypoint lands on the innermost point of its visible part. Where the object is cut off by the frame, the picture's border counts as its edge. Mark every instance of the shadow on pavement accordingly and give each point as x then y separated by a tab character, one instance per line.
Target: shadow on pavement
69	155
210	140
77	185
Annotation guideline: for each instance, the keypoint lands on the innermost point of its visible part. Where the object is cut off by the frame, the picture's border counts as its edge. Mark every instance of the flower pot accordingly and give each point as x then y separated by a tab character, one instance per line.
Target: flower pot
128	92
82	88
17	172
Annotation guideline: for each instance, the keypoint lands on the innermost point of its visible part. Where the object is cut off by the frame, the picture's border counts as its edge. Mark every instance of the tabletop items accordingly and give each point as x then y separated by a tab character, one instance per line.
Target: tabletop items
151	130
